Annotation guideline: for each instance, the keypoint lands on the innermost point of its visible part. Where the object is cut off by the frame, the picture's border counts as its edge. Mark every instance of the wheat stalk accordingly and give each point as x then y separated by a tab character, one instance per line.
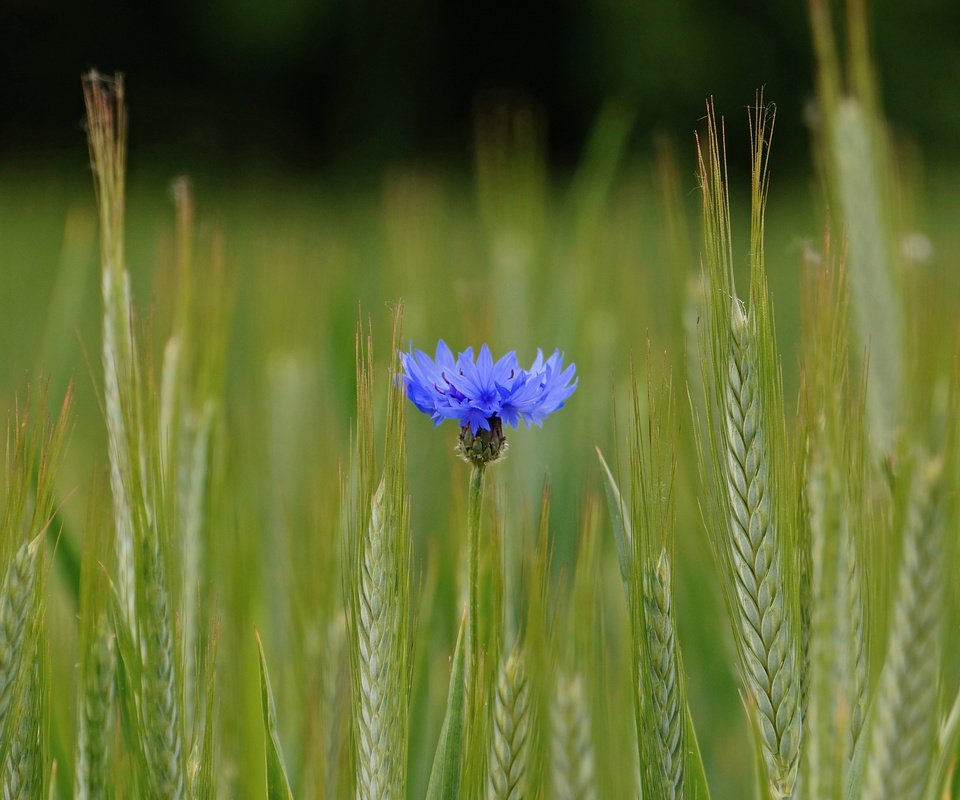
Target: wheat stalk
106	119
855	609
510	745
572	765
766	642
877	311
902	732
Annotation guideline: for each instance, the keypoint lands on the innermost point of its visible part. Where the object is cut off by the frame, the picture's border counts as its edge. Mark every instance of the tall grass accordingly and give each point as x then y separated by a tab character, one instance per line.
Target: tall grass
252	574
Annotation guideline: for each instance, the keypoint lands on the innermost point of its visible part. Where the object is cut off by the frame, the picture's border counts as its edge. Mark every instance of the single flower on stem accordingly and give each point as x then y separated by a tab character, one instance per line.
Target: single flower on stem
482	394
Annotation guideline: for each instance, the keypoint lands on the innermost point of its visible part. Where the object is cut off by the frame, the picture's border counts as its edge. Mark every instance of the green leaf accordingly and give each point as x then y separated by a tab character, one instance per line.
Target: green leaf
278	787
694	775
445	773
621	525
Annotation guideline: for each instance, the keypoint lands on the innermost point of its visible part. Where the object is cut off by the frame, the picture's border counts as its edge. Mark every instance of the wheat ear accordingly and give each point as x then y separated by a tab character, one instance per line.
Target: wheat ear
376	633
664	682
22	767
16	611
510	745
766	643
96	717
161	709
902	731
572	764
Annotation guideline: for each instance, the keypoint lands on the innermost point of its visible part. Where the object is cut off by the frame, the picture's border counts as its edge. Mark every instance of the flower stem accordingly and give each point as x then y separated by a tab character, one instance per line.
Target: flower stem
474	505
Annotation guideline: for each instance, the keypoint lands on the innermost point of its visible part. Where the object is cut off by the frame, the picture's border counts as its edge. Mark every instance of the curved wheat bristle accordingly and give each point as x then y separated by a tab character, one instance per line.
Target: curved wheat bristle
510	745
572	765
766	642
902	731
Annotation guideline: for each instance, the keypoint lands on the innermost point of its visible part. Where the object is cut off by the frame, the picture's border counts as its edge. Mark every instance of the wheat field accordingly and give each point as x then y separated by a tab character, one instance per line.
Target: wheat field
719	558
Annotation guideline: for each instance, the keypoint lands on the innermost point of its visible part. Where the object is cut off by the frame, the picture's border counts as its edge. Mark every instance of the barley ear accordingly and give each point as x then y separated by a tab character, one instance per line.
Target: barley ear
572	757
96	714
17	608
748	515
161	698
766	642
20	709
378	594
903	719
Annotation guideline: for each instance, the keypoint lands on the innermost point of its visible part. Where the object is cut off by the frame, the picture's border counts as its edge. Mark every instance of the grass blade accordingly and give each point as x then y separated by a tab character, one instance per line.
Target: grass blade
445	774
278	786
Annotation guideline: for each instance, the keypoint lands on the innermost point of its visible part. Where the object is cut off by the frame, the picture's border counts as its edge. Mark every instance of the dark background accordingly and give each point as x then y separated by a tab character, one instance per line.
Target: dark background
306	85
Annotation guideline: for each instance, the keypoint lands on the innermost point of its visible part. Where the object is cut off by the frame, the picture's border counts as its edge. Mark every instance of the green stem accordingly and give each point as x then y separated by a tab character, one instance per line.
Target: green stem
474	506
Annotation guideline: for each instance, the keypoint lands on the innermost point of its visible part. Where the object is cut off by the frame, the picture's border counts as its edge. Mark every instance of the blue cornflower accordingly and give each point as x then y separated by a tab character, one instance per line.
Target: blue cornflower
480	394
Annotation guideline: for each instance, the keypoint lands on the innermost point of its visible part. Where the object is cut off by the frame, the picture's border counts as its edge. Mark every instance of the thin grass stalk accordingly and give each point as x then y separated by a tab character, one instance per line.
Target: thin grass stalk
854	596
572	756
474	512
509	748
193	494
904	719
106	120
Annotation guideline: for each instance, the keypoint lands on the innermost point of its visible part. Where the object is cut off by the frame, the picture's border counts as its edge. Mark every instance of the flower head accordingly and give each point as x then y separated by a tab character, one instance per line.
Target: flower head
481	394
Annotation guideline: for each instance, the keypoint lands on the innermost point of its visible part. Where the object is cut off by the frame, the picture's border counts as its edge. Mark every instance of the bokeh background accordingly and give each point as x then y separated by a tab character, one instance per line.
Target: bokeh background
314	85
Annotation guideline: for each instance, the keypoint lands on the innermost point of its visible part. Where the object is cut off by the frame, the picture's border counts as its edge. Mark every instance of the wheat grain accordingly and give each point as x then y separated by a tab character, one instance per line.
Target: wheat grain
510	745
766	642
